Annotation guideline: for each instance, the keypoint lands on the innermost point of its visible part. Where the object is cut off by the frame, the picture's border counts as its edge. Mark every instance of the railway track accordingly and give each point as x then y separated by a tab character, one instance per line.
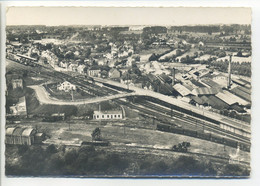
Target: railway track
195	121
153	109
149	150
160	113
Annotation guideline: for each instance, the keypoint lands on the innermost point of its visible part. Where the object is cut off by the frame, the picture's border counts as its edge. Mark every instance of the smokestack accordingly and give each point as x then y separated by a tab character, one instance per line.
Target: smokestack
173	76
229	72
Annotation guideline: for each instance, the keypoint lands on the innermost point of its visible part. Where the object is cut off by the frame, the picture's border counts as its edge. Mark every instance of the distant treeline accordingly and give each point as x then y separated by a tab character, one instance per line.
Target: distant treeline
213	28
155	29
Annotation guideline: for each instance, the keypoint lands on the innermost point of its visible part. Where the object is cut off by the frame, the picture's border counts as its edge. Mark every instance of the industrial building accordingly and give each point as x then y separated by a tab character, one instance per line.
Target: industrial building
22	136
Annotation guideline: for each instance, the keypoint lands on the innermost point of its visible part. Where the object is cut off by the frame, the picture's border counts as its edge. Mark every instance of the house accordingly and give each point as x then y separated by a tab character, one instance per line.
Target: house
108	115
17	83
73	67
94	71
114	73
64	64
66	86
81	69
19	108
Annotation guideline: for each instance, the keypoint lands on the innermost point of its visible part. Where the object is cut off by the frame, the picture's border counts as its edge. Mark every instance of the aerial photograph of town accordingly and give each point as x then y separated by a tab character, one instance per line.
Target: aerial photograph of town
92	93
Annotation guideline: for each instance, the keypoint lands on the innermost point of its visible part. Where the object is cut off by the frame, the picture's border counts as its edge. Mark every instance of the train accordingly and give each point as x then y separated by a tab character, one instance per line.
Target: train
242	130
23	59
203	136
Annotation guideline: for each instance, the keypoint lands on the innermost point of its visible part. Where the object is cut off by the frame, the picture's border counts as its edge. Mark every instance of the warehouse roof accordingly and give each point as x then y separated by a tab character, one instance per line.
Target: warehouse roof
28	131
197	100
210	82
217	103
244	95
10	130
230	98
18	131
205	91
182	89
198	84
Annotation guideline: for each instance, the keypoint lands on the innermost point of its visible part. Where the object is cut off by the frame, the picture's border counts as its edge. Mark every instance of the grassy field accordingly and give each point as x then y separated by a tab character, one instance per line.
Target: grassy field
132	133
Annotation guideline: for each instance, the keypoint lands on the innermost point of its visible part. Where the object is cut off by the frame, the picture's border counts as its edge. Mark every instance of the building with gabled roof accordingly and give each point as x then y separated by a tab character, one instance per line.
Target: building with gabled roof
66	86
231	99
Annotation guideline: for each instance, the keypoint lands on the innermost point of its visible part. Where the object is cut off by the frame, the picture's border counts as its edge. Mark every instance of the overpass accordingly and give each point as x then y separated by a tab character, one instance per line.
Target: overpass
44	97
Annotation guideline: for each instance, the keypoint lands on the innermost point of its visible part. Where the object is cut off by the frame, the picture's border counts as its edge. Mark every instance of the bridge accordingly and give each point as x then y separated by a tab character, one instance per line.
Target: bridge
44	97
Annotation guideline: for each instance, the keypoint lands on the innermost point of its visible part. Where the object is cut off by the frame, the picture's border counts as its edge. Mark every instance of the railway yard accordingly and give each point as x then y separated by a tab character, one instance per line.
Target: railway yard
160	125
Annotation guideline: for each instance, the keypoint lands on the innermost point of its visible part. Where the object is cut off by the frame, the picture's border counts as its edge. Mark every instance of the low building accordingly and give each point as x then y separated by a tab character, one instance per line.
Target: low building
94	71
19	108
17	83
66	86
108	115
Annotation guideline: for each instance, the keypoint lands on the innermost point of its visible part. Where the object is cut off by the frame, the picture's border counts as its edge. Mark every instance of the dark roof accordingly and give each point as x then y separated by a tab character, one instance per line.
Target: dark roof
165	78
217	103
241	93
244	89
210	82
198	84
237	108
94	68
18	131
197	100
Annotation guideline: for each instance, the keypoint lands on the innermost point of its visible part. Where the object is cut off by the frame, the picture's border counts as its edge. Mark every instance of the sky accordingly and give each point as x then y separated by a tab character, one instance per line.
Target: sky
53	16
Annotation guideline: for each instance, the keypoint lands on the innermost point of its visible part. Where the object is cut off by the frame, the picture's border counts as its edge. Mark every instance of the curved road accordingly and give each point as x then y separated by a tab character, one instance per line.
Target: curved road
44	97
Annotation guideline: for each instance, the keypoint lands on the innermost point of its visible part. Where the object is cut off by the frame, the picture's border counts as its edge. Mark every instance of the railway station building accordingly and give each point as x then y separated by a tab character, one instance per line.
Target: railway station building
107	115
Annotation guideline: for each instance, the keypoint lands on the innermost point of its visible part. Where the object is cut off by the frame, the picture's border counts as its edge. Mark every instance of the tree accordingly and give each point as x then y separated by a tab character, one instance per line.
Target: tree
96	134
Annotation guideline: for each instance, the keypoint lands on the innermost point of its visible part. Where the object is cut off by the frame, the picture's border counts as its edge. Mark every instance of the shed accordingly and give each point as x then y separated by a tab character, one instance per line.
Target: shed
39	137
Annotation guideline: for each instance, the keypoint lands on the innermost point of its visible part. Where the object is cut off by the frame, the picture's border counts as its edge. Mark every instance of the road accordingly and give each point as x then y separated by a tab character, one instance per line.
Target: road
44	97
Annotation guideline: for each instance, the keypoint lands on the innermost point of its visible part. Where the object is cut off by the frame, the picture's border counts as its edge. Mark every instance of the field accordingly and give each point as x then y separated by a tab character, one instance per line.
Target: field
134	134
